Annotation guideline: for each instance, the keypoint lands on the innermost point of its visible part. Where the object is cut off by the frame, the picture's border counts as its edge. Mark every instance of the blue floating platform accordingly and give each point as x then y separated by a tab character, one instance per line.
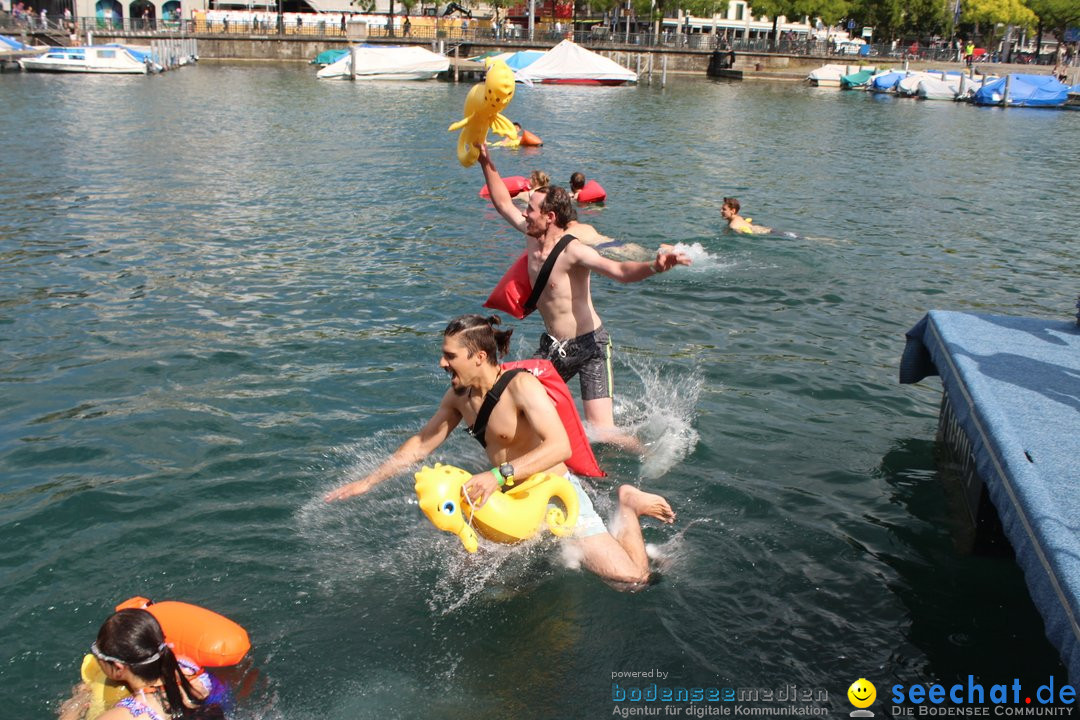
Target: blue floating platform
1014	387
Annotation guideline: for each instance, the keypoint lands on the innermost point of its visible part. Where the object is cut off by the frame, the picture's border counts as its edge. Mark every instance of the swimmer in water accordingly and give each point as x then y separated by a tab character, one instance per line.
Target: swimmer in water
730	212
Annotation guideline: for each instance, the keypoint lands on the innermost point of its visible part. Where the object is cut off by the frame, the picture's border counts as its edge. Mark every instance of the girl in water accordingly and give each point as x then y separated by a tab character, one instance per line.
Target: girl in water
131	651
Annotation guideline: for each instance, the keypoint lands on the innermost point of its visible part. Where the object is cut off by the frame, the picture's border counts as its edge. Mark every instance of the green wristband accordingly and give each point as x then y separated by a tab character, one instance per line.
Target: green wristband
498	476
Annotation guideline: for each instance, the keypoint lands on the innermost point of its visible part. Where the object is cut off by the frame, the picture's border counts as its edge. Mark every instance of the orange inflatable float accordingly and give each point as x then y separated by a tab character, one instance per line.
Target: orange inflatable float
592	192
196	633
530	140
515	184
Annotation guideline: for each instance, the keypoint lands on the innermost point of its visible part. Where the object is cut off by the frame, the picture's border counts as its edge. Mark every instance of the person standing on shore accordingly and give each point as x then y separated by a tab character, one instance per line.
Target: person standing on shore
575	340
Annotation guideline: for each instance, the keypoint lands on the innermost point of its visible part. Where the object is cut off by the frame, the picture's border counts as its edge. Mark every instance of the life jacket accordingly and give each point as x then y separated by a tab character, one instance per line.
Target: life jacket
515	294
582	461
514	184
591	193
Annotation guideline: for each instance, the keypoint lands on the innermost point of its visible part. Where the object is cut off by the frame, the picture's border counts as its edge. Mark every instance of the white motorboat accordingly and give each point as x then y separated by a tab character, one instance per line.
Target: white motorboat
387	63
829	75
110	59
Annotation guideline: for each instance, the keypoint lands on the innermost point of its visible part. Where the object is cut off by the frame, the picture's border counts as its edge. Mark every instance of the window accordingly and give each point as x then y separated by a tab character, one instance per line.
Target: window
740	8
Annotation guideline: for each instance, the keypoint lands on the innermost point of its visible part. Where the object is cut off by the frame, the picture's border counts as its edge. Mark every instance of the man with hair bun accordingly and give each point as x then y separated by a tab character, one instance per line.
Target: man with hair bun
575	340
523	436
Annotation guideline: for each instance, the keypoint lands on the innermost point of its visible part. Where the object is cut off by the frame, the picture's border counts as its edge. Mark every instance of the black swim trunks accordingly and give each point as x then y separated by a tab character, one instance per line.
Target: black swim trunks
587	355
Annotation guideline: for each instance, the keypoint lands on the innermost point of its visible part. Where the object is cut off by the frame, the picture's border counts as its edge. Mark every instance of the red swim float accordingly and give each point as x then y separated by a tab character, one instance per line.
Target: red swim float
514	184
530	140
513	290
591	193
196	633
582	460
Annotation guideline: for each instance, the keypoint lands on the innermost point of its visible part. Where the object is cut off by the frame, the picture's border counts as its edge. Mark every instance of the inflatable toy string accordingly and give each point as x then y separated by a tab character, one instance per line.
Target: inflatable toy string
508	517
483	112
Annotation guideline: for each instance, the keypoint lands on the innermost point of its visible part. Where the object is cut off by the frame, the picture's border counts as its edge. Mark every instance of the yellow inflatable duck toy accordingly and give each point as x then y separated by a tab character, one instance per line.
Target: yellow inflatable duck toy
508	517
104	693
483	112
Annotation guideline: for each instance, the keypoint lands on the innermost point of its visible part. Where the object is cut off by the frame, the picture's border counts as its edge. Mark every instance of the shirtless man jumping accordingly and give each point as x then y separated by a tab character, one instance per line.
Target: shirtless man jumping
524	436
574	339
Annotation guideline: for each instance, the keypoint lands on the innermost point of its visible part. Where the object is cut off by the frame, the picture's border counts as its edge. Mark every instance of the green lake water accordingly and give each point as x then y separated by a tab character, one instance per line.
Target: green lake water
222	292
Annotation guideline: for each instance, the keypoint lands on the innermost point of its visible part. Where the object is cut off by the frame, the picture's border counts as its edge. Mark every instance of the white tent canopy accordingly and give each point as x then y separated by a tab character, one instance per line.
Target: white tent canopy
568	62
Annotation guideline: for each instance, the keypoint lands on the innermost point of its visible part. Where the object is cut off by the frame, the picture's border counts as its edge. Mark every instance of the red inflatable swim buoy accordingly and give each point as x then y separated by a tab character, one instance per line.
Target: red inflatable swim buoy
530	140
582	461
196	633
513	290
514	184
591	193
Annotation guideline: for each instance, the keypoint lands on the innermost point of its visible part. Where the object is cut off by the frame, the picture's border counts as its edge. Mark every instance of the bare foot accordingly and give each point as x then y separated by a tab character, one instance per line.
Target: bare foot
643	503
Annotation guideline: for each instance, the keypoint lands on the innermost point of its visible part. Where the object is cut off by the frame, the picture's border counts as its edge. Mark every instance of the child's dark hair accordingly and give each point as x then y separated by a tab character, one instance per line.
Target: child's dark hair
479	333
135	638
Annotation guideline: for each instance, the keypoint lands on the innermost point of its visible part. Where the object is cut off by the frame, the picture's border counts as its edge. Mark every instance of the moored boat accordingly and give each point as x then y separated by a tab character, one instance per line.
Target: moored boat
570	64
386	63
106	59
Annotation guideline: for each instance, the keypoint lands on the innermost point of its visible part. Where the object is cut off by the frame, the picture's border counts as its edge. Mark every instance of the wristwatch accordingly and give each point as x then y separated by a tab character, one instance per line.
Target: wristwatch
507	471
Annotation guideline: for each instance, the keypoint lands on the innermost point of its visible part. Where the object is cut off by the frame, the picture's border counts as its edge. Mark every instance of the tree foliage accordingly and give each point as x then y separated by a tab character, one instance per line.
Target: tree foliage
1056	15
993	12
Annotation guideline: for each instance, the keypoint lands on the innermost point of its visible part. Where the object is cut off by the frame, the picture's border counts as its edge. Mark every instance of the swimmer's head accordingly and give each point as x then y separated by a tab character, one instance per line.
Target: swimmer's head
477	333
577	181
730	208
557	200
539	179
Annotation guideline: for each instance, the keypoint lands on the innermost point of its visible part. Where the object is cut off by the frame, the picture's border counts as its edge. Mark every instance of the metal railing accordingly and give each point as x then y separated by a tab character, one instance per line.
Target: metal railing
601	37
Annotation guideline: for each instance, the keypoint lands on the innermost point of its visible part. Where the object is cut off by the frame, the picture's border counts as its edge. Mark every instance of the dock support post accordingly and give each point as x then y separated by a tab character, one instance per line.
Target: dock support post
456	62
663	75
353	61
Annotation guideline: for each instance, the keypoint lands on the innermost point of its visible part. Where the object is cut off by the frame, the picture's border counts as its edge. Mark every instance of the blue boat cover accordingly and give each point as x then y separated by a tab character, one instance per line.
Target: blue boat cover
523	59
10	43
886	82
1024	91
327	57
1014	385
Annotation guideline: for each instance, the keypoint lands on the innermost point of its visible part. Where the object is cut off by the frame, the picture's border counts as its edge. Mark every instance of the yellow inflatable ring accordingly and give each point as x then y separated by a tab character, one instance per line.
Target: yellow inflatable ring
507	517
104	693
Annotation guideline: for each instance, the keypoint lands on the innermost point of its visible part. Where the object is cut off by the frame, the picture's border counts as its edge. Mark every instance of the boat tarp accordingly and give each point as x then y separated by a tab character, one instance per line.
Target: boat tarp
886	81
372	61
570	61
10	43
523	59
1014	387
857	79
328	57
934	88
1024	91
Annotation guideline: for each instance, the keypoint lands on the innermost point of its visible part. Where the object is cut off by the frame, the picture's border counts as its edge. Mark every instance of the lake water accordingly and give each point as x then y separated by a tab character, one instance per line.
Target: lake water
223	290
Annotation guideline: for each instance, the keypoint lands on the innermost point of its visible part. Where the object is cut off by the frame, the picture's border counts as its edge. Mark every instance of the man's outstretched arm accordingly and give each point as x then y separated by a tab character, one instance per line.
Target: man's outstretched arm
626	271
500	196
412	451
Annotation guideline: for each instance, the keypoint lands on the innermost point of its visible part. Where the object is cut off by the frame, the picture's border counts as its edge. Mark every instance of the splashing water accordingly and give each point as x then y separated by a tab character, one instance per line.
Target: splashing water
701	260
661	415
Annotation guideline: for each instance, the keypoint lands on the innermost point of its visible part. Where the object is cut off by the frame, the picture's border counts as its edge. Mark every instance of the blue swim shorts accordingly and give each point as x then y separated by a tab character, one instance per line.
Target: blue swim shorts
589	522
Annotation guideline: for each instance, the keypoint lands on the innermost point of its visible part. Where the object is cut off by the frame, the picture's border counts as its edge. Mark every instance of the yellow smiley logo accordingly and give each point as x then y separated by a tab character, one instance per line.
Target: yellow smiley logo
862	693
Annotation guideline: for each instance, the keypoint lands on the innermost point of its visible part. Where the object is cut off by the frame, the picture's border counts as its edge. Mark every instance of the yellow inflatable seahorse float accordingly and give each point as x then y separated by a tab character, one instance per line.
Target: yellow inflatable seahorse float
483	112
506	517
